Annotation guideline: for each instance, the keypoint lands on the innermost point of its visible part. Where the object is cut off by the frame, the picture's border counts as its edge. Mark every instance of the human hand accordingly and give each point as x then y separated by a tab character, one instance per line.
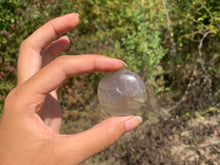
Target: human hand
31	119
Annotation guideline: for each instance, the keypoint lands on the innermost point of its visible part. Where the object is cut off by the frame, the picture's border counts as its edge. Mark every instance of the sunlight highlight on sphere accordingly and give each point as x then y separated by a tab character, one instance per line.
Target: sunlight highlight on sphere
121	93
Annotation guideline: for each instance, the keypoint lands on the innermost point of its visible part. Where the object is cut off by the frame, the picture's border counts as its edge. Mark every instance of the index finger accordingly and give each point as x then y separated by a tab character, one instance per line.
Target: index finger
30	59
46	34
54	74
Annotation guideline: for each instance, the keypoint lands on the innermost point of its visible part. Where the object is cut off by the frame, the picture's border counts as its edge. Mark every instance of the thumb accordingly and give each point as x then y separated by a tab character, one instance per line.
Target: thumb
77	148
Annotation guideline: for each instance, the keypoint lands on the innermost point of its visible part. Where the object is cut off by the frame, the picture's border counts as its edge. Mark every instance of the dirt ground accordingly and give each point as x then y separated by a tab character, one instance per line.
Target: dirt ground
166	142
188	138
159	140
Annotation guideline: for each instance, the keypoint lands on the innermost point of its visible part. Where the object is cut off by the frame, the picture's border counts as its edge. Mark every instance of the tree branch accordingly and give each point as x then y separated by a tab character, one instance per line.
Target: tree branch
201	62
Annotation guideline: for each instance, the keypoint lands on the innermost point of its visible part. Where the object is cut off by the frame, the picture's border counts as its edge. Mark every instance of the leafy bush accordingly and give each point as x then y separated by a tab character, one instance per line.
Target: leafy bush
129	31
157	39
18	19
189	22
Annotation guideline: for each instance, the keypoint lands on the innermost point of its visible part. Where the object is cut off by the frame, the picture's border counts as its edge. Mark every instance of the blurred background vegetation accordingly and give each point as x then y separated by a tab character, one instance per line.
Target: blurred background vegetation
174	45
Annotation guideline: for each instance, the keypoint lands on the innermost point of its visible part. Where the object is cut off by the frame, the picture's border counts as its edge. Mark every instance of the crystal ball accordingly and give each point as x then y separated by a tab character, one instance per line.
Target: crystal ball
121	93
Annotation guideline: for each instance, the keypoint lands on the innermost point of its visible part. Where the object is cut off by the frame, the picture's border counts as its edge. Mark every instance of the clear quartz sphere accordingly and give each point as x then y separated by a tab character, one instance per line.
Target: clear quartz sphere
121	93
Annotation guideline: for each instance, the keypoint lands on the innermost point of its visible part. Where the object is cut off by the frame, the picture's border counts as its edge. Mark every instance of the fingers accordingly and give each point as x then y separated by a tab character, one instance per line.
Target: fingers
54	49
52	76
49	32
52	113
81	146
30	60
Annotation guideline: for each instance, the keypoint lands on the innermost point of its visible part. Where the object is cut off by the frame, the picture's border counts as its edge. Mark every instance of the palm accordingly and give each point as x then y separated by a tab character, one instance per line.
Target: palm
51	112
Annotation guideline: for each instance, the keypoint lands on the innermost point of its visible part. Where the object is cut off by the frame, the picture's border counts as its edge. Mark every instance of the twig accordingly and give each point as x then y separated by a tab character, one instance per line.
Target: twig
201	62
167	15
201	43
209	145
200	54
185	93
217	105
210	14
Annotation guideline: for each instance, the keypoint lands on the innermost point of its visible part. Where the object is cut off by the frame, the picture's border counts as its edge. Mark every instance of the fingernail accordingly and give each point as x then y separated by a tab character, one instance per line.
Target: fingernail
125	65
77	14
133	123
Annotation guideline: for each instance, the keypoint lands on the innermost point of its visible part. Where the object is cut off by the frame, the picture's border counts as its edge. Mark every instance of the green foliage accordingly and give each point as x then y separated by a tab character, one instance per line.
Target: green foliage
187	21
18	19
129	31
194	19
134	31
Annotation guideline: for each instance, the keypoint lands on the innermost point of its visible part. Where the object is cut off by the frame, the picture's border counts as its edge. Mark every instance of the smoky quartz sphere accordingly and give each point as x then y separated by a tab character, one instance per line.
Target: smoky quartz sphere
121	93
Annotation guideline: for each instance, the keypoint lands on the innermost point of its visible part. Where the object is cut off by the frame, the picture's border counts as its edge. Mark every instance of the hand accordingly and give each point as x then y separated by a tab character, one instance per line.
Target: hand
31	119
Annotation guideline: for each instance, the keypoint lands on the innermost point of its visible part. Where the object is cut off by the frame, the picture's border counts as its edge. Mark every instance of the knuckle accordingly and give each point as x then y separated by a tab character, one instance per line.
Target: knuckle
61	63
110	136
11	97
61	59
23	44
15	102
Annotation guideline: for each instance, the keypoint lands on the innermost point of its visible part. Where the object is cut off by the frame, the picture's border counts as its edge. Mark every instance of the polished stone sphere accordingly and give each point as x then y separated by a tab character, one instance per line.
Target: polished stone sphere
121	93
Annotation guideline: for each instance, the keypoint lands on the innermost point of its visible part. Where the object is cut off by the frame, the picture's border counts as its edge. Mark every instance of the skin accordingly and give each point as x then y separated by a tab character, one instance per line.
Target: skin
32	116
